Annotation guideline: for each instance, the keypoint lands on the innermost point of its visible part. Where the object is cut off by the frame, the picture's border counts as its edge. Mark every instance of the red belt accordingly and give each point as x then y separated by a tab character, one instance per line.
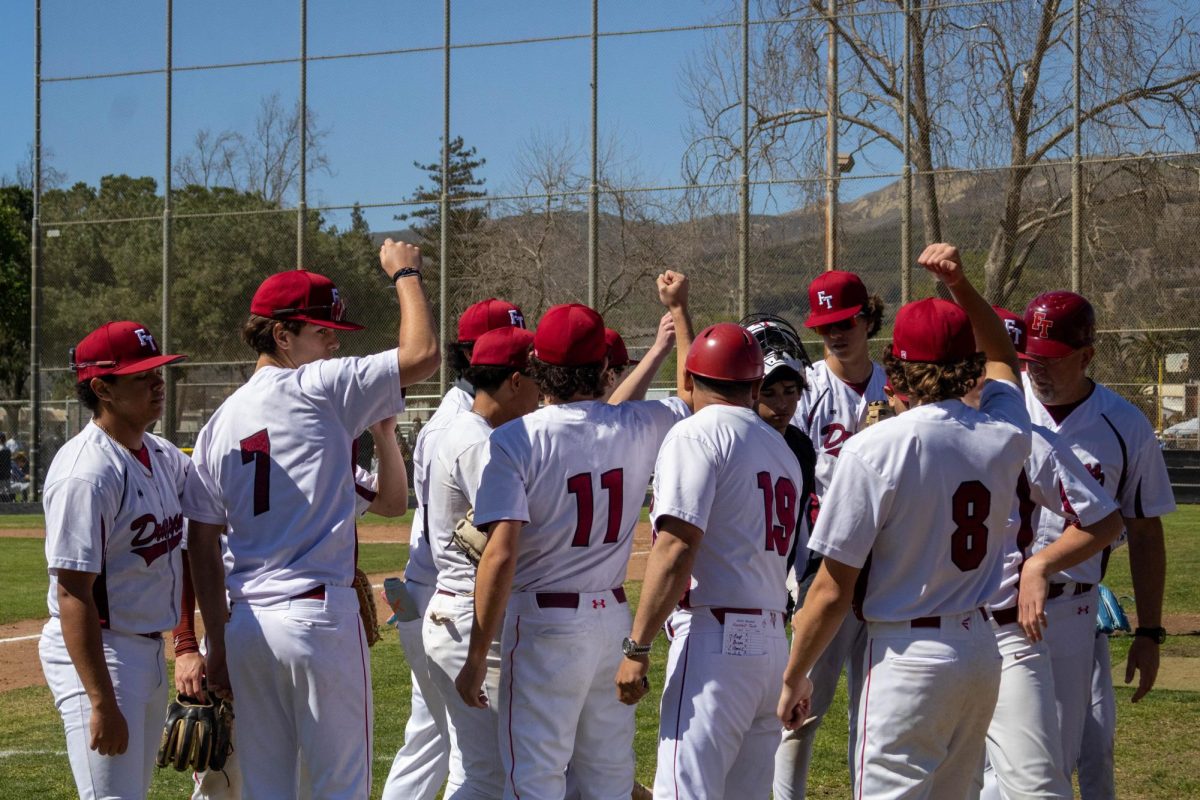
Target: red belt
1057	589
315	593
934	622
449	593
570	599
156	635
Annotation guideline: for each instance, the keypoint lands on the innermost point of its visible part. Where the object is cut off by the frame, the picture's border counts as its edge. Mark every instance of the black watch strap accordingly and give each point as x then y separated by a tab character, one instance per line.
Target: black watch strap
406	273
1157	634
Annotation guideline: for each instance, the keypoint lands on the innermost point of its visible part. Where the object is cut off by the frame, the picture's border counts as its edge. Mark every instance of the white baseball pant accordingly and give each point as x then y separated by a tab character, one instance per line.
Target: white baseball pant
423	762
558	703
139	676
301	680
1070	635
475	771
1024	744
794	755
926	704
1096	779
718	731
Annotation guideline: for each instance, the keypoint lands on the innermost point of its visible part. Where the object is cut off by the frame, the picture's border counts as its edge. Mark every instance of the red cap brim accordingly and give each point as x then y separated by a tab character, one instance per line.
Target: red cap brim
147	364
830	317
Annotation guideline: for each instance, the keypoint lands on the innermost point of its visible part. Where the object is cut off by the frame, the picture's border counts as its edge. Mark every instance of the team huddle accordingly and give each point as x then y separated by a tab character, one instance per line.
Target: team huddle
937	525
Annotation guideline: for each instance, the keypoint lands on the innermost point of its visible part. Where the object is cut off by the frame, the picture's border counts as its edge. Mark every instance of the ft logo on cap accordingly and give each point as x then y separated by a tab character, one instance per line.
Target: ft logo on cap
825	299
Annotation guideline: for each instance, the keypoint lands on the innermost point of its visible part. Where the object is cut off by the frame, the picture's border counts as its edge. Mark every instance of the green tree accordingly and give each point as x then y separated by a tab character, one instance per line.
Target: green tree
16	217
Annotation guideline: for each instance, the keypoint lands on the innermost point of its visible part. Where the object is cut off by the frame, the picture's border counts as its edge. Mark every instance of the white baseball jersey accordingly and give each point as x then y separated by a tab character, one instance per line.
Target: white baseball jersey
576	473
734	477
454	472
1117	446
420	567
926	496
273	464
1051	475
831	411
108	515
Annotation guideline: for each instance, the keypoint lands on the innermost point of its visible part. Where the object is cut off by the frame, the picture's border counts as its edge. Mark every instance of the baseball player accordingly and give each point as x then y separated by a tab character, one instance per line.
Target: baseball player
560	496
499	374
271	466
839	389
113	528
722	477
384	493
1116	444
423	762
926	496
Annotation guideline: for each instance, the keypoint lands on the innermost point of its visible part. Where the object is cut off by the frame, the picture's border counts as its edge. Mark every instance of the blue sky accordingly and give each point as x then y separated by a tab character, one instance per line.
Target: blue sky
382	113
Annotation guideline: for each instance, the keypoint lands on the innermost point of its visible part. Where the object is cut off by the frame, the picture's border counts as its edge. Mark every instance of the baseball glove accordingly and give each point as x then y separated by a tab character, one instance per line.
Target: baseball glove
469	539
196	736
1111	617
366	606
878	411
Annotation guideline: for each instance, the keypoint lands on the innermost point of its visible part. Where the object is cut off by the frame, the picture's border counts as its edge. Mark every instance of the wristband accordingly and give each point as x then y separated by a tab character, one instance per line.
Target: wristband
1159	635
406	273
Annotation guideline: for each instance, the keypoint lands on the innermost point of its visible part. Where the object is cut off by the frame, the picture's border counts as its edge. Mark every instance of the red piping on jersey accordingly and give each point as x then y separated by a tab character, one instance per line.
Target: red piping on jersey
512	661
862	755
679	714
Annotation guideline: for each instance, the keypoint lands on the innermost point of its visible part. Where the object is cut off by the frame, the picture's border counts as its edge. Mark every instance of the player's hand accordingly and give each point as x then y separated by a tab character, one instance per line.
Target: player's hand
383	429
216	673
1143	659
189	676
109	732
395	256
664	339
944	261
673	289
1031	600
795	703
632	683
469	684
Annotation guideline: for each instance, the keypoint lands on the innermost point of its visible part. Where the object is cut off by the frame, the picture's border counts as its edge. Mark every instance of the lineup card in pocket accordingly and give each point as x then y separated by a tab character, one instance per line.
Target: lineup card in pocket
744	635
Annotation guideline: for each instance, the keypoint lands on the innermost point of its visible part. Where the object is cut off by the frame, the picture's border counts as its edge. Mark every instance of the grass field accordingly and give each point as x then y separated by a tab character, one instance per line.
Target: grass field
1156	742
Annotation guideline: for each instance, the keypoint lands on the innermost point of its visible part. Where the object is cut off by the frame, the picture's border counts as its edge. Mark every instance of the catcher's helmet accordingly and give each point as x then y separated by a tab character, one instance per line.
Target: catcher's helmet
1058	324
725	352
775	334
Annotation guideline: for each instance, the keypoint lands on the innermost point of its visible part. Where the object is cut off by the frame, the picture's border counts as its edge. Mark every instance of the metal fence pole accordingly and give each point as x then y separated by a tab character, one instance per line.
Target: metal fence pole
743	290
169	419
831	140
444	206
35	269
1076	157
593	277
906	179
302	208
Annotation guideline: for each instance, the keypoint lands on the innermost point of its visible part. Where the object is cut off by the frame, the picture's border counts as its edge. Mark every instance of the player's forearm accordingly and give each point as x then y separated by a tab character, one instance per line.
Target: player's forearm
391	497
208	579
82	635
817	622
638	382
418	342
991	337
667	573
493	585
1148	568
1076	545
184	634
683	342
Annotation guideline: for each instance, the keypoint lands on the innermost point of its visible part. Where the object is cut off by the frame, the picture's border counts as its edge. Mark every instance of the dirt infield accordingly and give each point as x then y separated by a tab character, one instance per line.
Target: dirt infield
19	665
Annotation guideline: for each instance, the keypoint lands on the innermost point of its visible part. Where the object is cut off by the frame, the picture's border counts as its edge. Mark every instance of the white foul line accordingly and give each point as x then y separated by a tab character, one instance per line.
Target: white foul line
20	639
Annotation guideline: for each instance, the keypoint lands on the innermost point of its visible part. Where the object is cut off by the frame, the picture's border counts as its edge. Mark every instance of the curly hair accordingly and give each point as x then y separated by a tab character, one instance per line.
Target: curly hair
563	383
929	383
873	314
458	358
259	332
88	398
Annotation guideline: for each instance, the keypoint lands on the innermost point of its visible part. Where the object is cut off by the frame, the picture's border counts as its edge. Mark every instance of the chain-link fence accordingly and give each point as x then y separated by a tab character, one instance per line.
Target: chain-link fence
1054	142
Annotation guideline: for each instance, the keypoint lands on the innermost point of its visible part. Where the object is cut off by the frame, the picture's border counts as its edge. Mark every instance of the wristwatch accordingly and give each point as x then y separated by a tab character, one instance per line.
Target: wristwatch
1159	635
634	650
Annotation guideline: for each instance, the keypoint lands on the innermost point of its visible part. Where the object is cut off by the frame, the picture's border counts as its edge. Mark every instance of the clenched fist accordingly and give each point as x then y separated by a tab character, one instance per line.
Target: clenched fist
395	256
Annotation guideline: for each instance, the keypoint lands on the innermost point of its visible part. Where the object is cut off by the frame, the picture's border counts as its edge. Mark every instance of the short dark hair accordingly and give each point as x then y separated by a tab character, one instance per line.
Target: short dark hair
487	379
785	373
929	383
458	358
259	332
87	397
563	383
873	313
731	390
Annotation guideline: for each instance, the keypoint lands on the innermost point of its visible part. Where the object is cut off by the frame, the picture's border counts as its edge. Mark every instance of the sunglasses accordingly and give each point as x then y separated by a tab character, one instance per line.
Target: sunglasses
334	312
80	364
843	325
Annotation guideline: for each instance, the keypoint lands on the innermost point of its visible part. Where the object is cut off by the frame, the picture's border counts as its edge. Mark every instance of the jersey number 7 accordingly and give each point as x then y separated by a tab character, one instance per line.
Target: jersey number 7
580	485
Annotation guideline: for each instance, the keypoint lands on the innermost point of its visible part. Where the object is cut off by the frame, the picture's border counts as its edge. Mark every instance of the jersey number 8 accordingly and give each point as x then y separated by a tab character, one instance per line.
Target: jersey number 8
970	506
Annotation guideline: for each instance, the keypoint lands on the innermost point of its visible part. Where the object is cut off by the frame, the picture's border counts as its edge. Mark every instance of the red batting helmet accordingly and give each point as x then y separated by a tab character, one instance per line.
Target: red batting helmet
725	352
1058	324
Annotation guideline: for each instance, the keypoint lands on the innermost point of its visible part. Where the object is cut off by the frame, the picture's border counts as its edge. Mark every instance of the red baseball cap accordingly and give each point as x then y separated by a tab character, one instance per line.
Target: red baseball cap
1015	326
118	348
1059	323
488	315
503	347
570	335
833	297
302	296
932	331
618	354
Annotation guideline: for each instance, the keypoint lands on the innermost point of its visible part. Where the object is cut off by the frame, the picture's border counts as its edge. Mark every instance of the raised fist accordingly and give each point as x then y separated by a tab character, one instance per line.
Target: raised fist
944	261
395	256
673	289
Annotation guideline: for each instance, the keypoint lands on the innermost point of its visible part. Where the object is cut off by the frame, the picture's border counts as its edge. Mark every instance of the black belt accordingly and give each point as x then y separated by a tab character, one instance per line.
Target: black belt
1005	616
935	622
719	613
1057	589
571	599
